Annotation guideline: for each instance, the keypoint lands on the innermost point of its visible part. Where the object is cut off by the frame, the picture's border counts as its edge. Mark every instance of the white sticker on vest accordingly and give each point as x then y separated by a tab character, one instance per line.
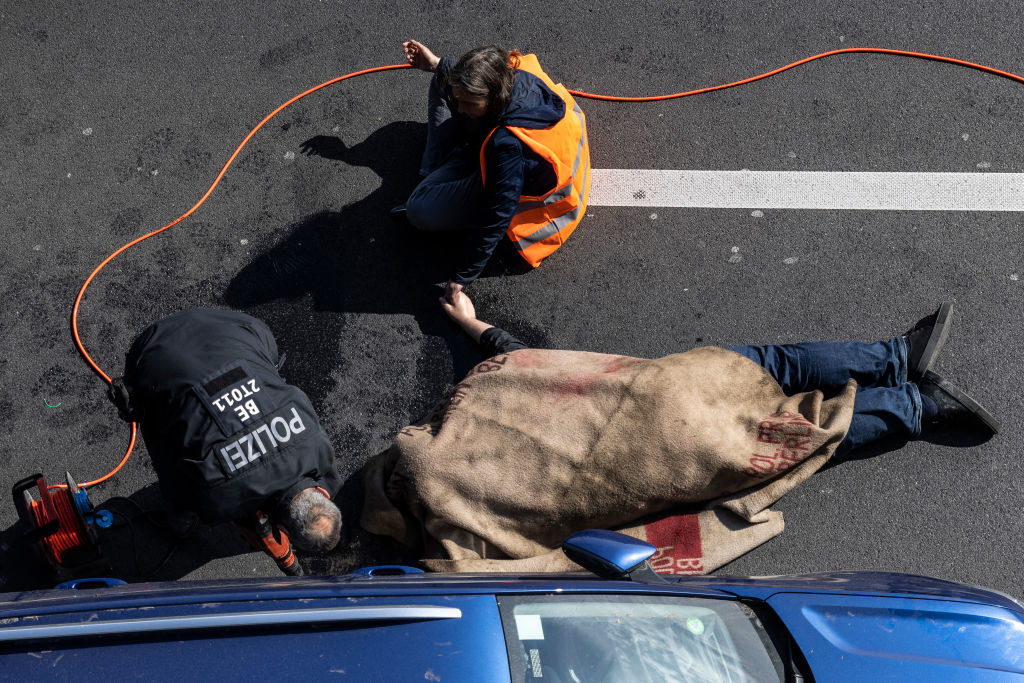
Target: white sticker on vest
250	447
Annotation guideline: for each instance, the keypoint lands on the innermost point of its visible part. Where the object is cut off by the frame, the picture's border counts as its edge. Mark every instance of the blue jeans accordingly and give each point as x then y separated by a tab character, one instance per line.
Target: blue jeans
886	403
449	195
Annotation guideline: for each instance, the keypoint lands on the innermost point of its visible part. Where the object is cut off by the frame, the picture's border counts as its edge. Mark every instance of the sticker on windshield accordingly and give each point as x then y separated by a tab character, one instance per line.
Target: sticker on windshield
535	667
529	628
695	625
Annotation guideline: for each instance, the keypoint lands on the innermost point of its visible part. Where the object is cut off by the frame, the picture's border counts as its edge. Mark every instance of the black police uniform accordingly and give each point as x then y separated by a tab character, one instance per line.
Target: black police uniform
227	435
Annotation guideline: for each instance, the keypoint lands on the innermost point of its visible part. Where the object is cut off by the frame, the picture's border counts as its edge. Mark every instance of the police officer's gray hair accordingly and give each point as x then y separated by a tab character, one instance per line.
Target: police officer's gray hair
313	520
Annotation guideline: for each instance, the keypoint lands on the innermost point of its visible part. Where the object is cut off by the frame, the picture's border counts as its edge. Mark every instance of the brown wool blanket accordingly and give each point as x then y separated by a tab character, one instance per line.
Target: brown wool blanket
687	452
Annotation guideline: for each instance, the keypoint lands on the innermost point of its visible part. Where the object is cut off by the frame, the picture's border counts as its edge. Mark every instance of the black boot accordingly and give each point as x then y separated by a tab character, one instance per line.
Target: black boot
954	407
925	340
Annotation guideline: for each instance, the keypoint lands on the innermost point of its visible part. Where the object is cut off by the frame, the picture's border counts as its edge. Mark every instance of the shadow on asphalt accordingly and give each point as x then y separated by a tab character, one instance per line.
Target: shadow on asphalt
872	450
137	546
359	260
140	548
953	438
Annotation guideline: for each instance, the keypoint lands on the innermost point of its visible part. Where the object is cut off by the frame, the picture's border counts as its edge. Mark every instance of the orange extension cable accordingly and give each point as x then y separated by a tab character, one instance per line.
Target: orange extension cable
612	98
880	50
216	181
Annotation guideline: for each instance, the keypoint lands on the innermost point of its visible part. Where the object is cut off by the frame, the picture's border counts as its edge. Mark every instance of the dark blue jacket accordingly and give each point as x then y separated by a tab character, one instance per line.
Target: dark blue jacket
226	434
513	169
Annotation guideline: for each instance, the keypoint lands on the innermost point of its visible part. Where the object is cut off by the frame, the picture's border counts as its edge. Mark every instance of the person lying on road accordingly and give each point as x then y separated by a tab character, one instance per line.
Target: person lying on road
688	451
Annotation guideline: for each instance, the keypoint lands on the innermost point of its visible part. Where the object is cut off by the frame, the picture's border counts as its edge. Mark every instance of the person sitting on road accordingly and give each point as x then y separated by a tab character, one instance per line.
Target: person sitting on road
534	445
506	154
228	437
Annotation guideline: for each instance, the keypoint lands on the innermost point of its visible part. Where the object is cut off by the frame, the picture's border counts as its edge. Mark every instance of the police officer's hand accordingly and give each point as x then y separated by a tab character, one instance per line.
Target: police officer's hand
462	310
419	56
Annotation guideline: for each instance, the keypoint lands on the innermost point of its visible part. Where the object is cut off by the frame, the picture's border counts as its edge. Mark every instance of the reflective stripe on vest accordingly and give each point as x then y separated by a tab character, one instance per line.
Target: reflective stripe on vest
541	224
558	224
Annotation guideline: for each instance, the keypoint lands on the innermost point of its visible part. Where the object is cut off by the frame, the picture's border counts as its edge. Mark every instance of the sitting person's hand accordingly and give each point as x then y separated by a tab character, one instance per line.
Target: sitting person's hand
419	56
462	310
452	288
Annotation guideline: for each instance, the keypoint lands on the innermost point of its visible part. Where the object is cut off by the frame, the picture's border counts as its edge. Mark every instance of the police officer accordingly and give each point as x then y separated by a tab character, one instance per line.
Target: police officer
229	438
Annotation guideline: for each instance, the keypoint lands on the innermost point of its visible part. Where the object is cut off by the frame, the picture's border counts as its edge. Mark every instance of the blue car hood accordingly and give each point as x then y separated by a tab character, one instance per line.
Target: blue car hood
871	626
863	637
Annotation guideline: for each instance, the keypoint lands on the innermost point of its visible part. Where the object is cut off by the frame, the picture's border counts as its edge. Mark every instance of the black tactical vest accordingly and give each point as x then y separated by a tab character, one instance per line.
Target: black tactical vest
226	434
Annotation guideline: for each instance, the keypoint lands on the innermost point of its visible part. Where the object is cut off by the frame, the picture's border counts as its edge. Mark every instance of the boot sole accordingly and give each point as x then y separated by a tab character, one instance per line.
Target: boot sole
976	408
936	340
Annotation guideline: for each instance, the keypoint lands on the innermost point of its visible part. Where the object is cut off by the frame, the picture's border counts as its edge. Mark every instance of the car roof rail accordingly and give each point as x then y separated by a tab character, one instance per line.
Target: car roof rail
612	555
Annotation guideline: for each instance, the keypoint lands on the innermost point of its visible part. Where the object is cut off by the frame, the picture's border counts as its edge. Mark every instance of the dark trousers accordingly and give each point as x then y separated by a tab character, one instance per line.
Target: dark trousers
886	404
450	193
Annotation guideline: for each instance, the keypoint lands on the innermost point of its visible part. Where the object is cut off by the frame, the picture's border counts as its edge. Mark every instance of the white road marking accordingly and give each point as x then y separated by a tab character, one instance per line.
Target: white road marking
808	190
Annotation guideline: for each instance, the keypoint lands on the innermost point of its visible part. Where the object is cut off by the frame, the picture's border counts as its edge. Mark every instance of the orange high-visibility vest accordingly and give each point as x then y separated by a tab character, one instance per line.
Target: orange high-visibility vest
541	224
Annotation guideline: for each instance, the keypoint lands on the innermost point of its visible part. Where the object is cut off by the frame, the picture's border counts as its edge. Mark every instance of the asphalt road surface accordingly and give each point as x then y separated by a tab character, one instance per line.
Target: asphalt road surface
118	116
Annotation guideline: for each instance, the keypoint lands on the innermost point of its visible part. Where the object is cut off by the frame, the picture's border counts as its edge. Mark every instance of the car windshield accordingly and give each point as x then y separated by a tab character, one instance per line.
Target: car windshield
597	638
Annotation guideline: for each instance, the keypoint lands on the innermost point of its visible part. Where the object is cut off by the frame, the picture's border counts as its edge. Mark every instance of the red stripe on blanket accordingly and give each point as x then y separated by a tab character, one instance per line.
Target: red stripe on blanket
678	541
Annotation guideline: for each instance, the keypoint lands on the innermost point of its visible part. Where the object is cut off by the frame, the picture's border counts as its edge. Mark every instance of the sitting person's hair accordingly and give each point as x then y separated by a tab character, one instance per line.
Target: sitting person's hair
487	72
313	521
